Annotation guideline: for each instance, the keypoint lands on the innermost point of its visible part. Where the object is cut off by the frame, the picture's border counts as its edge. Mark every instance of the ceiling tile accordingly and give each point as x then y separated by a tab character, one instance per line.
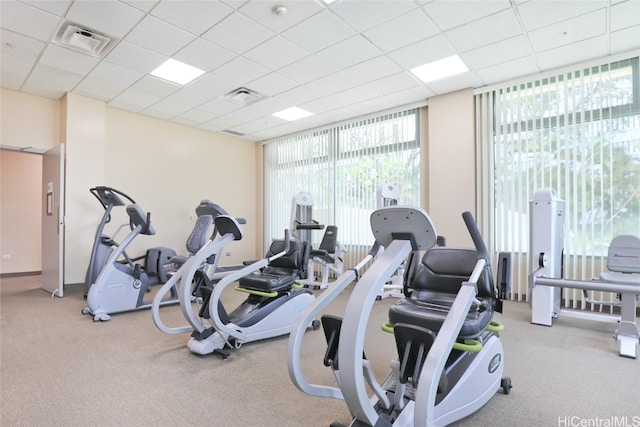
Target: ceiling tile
57	7
508	70
318	57
272	84
626	39
373	69
349	52
390	84
133	101
107	16
319	31
144	5
159	36
219	124
308	69
625	15
219	106
320	105
20	46
135	57
260	11
485	31
68	60
246	33
365	14
202	90
11	80
21	18
573	53
155	86
275	53
195	16
298	95
410	96
496	53
241	70
333	83
423	52
167	108
204	55
402	31
450	14
16	65
115	74
538	13
98	88
213	85
461	81
354	95
52	79
196	115
570	31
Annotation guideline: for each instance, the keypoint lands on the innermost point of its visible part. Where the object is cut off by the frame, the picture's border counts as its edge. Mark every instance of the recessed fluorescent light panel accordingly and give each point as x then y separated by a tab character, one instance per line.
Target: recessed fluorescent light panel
440	69
291	114
177	72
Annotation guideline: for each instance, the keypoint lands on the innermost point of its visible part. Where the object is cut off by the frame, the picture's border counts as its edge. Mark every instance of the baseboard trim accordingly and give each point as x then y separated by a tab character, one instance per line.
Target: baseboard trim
20	274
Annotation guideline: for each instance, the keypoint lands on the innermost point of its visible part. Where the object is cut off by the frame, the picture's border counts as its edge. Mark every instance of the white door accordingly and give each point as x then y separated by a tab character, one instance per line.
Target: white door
53	221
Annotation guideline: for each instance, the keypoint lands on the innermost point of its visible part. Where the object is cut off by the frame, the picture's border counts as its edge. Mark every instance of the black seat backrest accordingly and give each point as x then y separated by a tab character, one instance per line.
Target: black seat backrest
198	237
329	239
443	269
294	259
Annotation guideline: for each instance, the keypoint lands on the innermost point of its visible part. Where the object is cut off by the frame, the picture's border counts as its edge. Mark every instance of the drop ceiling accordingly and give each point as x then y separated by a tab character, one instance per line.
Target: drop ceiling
338	61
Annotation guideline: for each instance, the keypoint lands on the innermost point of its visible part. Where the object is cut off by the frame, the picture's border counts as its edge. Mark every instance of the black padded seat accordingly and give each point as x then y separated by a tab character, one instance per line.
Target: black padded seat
281	272
435	285
327	249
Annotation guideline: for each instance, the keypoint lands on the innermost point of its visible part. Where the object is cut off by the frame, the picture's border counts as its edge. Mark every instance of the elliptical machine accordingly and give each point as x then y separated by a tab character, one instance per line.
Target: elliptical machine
269	310
122	286
450	359
155	259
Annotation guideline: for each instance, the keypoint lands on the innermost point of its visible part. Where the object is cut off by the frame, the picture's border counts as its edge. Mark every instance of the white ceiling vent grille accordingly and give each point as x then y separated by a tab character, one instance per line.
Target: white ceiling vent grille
83	39
244	96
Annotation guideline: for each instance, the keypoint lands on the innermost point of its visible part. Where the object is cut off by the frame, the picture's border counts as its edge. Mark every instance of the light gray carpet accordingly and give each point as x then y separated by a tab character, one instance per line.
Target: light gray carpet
59	368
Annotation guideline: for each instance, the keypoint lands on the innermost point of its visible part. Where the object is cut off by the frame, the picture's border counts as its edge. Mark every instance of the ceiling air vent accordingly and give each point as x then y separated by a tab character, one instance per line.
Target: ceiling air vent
233	132
244	96
82	39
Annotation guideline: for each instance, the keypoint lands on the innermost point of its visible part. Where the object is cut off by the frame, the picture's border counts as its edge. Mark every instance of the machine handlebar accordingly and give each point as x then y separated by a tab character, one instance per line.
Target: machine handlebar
478	241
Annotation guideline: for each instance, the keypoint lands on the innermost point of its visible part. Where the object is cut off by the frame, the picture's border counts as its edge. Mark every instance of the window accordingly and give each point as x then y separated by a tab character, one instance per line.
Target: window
341	167
576	132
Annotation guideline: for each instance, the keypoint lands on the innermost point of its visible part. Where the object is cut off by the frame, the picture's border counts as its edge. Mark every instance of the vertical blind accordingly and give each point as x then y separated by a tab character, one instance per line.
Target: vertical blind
577	132
340	168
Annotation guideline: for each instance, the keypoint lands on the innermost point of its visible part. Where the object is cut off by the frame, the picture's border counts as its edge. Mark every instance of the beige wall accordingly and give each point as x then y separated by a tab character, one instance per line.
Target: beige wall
20	211
84	138
167	168
28	121
451	164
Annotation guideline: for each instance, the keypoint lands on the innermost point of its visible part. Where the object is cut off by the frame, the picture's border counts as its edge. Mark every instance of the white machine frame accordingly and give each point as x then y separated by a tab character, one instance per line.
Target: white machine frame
391	227
276	323
545	280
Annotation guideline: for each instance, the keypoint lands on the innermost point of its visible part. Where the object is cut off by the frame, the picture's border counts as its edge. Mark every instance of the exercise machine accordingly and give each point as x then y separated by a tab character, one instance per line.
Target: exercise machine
329	254
545	281
121	286
269	311
450	358
104	245
388	194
